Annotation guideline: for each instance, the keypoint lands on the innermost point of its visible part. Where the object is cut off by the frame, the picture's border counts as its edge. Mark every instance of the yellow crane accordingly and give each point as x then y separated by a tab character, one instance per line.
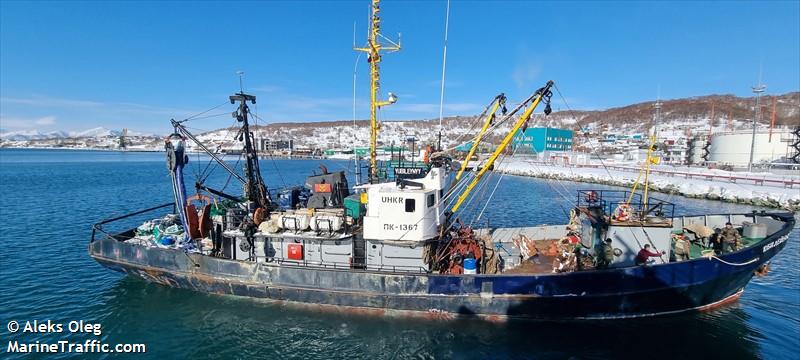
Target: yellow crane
499	100
533	100
373	49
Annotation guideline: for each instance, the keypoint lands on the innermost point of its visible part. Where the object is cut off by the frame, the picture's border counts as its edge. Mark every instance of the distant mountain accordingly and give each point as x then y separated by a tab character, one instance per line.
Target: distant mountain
57	134
33	135
95	132
98	132
787	110
141	134
694	112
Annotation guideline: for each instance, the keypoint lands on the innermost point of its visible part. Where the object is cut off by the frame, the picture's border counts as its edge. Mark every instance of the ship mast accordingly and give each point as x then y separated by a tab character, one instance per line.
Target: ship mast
254	187
373	49
650	159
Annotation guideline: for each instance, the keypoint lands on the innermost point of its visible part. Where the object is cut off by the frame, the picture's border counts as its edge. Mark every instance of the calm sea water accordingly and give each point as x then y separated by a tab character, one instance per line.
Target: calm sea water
51	198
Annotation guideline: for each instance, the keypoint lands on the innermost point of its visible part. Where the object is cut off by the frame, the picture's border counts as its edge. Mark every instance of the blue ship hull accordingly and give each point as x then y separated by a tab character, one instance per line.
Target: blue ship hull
598	294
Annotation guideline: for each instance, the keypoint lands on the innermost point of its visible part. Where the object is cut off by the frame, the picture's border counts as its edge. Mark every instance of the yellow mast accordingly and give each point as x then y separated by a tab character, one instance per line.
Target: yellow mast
543	92
650	158
648	161
373	50
498	102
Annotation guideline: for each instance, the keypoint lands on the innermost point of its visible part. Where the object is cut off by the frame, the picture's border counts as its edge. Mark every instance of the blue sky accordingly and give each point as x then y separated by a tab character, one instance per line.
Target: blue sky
76	65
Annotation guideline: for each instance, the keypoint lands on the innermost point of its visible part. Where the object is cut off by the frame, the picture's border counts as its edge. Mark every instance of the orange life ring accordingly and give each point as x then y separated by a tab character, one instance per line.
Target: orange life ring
623	212
200	197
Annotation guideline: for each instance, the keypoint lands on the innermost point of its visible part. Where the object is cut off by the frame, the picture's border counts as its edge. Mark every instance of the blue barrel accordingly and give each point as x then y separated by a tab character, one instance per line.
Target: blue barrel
167	240
470	266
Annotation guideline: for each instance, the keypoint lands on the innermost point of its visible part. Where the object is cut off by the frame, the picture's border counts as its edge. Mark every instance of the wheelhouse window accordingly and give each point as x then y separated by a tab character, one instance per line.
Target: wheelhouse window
411	205
431	199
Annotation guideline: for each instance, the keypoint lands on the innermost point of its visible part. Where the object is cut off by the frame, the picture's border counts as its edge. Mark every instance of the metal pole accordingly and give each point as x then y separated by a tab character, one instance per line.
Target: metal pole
757	90
355	127
444	67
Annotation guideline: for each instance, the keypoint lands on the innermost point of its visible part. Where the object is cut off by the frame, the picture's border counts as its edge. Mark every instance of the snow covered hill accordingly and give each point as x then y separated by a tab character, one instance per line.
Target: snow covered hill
98	132
95	132
33	135
682	115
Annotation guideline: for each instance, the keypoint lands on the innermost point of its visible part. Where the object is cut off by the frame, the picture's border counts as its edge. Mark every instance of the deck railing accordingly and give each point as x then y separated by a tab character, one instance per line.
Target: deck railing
99	226
609	200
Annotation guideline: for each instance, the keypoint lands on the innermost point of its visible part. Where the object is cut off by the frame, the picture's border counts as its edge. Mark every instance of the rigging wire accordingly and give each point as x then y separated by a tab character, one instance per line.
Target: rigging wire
576	123
206	173
497	125
210	116
594	150
195	117
230	176
272	159
477	122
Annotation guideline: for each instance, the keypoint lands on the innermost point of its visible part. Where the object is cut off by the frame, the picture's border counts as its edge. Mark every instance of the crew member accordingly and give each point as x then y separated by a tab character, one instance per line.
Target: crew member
716	241
607	257
578	257
645	254
682	248
730	238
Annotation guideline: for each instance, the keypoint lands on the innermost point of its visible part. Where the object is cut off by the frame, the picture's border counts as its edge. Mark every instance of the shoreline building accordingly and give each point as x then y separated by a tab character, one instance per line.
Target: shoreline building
544	142
268	146
698	149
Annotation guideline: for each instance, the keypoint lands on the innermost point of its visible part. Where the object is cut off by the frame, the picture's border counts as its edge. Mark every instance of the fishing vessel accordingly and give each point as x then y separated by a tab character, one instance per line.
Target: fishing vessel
396	244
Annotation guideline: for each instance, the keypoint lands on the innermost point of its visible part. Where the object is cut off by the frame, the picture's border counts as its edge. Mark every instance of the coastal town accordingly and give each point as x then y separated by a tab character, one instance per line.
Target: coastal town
703	131
700	145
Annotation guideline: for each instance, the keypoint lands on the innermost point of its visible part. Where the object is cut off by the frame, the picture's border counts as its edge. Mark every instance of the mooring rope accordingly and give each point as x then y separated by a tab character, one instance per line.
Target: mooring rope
710	255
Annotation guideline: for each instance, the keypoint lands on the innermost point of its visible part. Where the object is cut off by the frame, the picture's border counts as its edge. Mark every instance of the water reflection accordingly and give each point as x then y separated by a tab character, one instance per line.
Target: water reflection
135	310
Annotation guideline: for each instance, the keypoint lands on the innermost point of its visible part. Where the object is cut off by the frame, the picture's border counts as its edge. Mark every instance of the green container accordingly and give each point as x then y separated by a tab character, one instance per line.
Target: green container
353	206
